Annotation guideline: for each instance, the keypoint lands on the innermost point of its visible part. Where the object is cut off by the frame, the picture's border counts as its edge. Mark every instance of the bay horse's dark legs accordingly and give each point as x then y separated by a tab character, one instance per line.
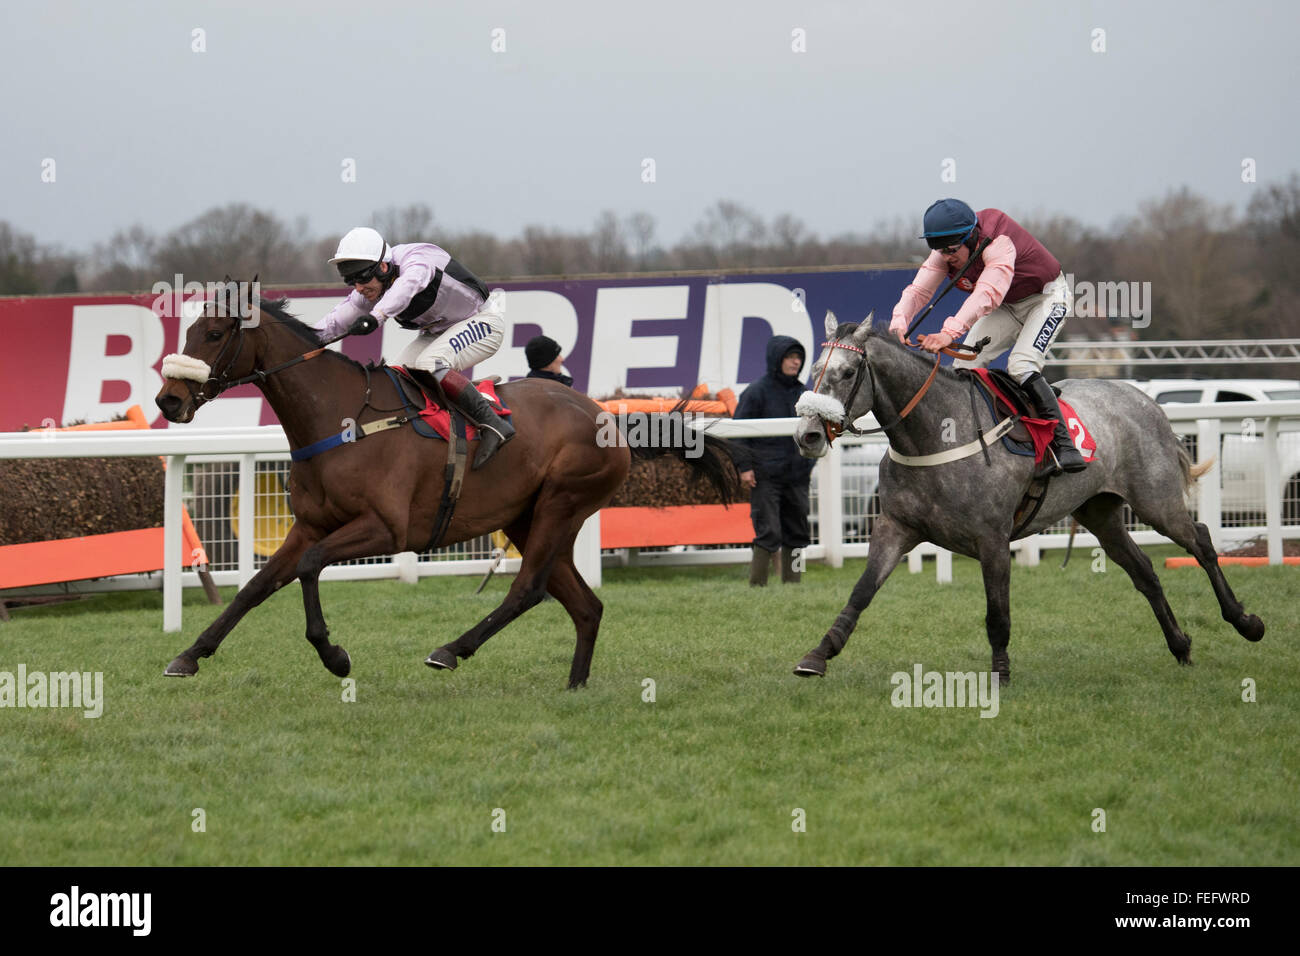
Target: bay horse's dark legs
359	538
995	564
1103	515
279	570
889	542
569	588
550	534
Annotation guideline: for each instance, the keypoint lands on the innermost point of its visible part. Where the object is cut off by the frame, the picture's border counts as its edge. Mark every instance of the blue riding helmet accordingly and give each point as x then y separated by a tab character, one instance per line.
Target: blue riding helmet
948	222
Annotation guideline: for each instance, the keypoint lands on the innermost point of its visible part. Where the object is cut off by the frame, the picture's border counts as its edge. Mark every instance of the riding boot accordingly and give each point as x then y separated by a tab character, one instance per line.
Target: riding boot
788	574
1064	456
493	431
759	563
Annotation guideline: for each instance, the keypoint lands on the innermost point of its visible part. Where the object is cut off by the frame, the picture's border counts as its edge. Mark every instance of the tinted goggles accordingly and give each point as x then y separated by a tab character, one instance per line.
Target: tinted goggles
360	275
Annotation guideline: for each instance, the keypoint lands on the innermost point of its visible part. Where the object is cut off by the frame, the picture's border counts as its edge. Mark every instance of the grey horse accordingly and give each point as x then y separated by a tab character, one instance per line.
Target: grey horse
967	505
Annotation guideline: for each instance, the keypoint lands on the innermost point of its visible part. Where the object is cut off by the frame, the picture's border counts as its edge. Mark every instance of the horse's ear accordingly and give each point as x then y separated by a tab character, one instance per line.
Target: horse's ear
831	325
862	331
255	275
871	317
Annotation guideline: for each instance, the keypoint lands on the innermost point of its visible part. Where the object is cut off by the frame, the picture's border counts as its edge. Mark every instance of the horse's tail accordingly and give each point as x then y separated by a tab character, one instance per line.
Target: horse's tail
1192	473
708	456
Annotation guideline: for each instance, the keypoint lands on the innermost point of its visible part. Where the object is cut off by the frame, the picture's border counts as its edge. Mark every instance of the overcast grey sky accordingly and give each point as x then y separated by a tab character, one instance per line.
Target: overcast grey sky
852	132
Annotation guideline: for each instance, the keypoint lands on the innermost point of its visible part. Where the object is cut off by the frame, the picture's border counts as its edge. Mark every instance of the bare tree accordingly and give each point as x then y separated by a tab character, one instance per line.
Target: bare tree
18	259
609	245
1273	227
641	227
1191	252
125	263
236	240
398	225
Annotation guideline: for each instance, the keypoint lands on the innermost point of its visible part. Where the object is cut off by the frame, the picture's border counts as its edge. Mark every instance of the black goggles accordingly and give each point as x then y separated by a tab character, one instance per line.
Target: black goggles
949	243
360	276
946	245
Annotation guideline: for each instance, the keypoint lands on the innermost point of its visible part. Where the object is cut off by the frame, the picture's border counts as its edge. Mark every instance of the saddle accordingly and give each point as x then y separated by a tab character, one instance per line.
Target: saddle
1001	392
432	418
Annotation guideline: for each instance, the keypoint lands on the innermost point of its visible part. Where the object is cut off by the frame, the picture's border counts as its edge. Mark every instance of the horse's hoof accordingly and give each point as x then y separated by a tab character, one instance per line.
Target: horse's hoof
341	664
442	659
811	666
182	667
1252	628
1185	660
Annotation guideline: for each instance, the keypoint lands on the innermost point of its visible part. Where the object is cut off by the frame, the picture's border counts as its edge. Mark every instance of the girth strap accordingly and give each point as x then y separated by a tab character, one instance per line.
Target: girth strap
957	454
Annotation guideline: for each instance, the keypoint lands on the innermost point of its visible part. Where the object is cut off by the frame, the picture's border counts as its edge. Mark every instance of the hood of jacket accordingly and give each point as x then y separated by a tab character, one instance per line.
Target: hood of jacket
777	349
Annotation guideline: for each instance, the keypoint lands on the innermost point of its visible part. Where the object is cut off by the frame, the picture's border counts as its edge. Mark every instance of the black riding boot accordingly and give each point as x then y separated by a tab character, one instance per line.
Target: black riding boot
760	562
1065	456
493	431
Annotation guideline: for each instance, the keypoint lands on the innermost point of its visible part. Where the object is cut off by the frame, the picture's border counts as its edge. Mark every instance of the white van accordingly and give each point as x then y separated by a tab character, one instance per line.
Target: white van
1241	452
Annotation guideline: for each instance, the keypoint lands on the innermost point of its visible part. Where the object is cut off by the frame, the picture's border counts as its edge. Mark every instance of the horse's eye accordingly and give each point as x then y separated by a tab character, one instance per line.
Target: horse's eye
215	335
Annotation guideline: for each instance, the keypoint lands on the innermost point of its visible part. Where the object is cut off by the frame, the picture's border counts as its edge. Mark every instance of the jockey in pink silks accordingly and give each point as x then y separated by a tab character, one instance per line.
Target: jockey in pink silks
1019	298
423	288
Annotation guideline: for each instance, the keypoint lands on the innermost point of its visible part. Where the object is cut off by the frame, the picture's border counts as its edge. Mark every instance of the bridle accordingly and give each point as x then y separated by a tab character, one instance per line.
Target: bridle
218	382
835	429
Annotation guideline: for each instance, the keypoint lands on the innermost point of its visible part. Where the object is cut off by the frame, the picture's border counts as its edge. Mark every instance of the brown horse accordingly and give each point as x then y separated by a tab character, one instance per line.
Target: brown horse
380	494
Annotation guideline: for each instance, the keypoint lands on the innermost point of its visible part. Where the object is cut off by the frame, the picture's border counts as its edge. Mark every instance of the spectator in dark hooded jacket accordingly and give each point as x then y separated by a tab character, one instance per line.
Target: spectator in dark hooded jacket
772	468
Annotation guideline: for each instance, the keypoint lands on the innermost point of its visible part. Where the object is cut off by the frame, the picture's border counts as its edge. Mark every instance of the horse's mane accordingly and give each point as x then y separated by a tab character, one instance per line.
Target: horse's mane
275	308
881	333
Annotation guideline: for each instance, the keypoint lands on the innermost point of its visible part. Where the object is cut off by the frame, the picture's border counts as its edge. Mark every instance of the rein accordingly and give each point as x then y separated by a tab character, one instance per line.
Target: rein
835	429
362	326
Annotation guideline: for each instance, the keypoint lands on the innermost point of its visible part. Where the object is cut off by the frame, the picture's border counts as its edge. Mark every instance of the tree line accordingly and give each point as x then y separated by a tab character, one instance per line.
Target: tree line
1214	272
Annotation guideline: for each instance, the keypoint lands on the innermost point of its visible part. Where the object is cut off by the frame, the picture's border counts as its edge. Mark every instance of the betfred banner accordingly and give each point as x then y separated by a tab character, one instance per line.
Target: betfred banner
69	358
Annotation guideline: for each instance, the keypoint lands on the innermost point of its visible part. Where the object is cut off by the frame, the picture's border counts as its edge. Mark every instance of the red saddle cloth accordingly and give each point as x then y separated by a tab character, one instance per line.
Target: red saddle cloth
438	418
1042	430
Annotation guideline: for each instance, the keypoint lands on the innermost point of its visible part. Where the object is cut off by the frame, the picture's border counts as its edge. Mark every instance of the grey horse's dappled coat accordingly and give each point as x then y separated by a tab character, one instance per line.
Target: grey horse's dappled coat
967	506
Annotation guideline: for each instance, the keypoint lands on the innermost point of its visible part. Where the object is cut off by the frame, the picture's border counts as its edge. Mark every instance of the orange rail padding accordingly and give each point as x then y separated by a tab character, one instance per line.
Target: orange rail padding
618	406
94	556
724	405
1191	562
97	555
134	419
685	524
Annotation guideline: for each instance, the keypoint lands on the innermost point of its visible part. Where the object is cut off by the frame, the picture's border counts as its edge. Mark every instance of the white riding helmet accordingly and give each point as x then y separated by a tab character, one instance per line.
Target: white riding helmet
362	244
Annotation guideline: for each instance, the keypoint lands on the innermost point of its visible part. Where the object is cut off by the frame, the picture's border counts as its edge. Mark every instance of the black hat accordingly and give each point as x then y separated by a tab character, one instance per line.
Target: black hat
541	351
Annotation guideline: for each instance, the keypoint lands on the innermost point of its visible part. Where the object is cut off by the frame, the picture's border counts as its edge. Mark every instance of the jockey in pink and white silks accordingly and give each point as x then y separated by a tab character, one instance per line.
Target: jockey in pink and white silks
421	287
1019	298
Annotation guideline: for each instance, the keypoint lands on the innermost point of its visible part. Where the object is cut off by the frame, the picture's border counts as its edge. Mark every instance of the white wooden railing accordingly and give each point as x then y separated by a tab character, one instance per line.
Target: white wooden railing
179	444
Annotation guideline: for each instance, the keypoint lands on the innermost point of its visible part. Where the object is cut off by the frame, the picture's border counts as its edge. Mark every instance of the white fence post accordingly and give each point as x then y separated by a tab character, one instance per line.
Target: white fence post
943	566
1273	490
830	505
173	485
586	551
247	518
408	569
1209	507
